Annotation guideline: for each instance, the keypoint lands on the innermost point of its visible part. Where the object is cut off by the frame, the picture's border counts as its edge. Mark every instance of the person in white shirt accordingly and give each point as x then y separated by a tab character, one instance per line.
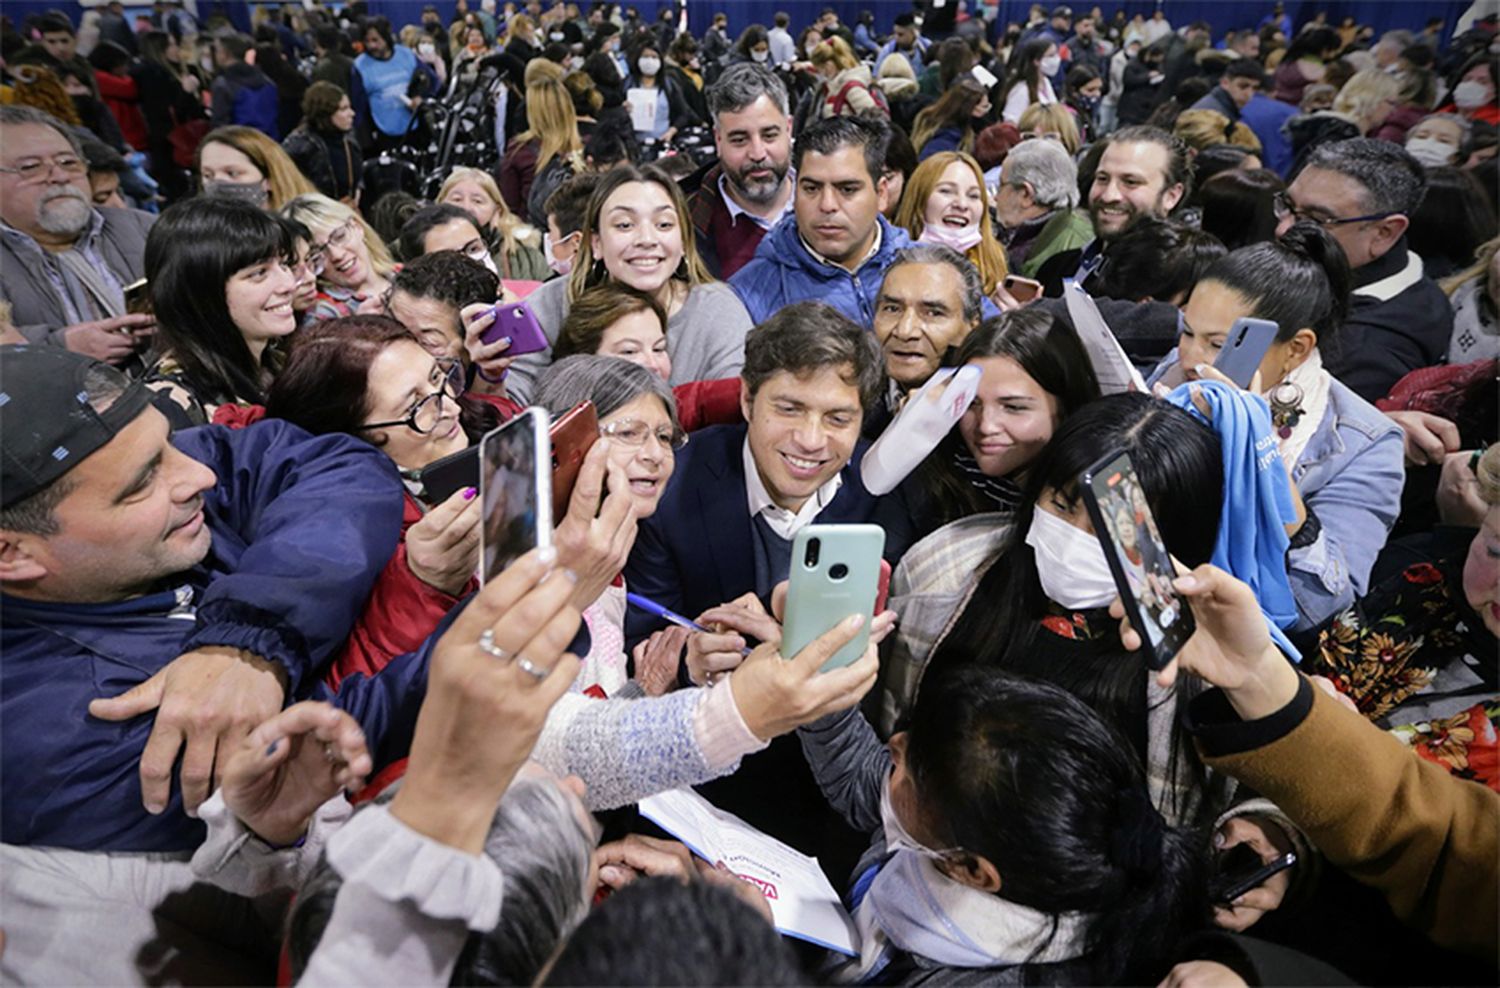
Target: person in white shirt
1029	81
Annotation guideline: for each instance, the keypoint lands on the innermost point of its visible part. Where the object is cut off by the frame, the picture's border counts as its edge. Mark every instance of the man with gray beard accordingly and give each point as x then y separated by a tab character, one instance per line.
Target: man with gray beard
749	190
64	265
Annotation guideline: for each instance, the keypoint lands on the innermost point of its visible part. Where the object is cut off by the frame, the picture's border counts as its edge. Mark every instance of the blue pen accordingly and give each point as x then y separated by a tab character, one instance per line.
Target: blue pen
652	607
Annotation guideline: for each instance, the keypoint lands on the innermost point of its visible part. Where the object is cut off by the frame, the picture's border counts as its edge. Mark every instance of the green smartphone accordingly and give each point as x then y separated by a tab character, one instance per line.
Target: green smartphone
835	572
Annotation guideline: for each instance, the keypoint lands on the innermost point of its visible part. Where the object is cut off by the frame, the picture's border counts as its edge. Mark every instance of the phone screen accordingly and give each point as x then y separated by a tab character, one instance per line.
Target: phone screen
1142	567
517	497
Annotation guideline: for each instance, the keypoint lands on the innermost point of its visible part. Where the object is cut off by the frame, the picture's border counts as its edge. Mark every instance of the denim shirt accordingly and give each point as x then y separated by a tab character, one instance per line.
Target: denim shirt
1350	476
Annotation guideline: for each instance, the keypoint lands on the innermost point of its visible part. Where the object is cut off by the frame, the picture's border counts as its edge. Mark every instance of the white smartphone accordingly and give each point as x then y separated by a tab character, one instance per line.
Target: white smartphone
515	483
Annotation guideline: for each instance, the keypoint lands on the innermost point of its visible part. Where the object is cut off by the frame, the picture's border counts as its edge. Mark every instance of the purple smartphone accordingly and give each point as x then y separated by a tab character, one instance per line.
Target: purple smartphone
517	321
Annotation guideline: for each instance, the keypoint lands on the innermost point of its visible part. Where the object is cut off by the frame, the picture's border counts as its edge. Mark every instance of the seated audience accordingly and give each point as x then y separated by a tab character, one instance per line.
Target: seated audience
1475	295
837	250
243	162
945	203
1364	193
1344	457
357	267
66	263
1036	205
515	245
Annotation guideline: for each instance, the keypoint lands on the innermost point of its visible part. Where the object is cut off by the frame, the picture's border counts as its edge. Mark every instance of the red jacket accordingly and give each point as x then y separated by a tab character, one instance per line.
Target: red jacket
704	403
120	94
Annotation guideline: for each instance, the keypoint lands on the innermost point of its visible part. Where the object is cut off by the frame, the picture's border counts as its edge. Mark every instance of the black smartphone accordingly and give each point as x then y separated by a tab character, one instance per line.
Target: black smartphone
441	479
1240	869
1137	556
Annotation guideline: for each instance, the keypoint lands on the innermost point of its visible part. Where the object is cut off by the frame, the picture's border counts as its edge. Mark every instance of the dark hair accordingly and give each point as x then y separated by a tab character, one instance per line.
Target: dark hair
390	213
1239	205
154	45
329	38
1179	162
100	156
750	37
1026	775
191	253
612	142
1300	281
381	26
595	311
325	385
320	103
1312	41
587	100
954	57
954	108
782	19
1024	67
1215	160
569	202
1393	181
412	242
1244	68
53	22
449	277
234	44
110	57
833	134
718	940
1155	259
1455	217
1078	76
807	336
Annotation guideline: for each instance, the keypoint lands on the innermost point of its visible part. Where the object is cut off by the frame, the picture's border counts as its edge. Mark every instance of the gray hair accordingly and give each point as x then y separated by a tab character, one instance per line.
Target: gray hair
743	84
1464	125
1392	180
973	288
14	115
610	383
1398	38
1047	167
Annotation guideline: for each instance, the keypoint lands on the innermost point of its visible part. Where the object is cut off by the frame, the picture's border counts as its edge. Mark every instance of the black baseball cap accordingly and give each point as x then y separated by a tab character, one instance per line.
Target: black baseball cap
47	426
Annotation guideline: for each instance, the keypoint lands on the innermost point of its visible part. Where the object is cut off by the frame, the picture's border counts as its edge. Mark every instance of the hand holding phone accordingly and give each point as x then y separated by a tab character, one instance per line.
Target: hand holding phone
1240	869
516	322
1021	289
573	436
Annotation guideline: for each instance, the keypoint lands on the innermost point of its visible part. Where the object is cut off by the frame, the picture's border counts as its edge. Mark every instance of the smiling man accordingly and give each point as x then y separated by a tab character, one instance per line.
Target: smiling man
742	197
839	247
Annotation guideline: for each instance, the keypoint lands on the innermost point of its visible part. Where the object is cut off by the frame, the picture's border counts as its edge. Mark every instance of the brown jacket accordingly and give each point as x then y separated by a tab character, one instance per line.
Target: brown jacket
1429	842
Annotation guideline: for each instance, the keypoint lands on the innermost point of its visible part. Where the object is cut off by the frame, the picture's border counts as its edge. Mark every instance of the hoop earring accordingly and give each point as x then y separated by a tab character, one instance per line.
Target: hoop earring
1286	407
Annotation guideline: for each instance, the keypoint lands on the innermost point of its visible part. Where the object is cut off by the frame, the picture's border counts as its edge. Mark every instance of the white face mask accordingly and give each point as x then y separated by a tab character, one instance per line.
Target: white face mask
960	240
1070	563
760	56
563	268
1050	65
649	66
427	48
1430	152
896	837
1470	95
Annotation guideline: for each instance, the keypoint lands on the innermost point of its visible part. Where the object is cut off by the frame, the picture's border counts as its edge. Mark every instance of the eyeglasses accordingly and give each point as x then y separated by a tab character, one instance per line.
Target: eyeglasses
340	237
424	416
38	169
312	264
475	250
634	434
1283	207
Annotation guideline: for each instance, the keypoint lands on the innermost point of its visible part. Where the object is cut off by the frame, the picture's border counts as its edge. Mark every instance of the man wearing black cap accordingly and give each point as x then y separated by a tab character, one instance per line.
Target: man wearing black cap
162	596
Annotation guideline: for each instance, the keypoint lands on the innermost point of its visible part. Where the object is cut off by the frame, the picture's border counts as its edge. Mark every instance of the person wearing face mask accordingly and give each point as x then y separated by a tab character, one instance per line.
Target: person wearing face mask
1439	139
566	208
1030	78
1474	95
1086	885
1084	89
243	163
945	203
671	109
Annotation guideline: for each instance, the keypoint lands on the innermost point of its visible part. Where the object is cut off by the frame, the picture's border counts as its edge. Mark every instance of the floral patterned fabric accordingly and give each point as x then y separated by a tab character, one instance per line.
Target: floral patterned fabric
1463	744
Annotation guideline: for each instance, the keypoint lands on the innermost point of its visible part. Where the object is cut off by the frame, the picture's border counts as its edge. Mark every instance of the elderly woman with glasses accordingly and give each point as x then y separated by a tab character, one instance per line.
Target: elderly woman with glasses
357	266
368	376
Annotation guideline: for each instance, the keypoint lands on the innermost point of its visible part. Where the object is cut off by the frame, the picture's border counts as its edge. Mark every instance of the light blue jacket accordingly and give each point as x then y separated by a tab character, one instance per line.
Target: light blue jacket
1350	476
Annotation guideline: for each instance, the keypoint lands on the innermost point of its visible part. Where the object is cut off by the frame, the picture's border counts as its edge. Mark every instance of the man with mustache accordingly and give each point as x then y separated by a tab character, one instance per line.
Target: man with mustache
744	195
1144	171
66	263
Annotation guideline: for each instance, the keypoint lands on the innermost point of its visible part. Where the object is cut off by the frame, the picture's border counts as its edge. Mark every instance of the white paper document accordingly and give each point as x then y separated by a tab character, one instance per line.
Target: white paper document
803	903
642	109
1112	368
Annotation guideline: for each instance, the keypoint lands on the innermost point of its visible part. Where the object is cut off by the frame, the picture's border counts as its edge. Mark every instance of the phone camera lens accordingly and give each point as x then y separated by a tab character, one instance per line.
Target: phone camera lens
838	571
810	559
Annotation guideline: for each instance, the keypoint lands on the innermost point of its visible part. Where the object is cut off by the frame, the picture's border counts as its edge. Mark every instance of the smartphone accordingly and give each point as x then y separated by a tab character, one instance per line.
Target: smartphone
441	479
138	297
515	482
572	436
1240	869
835	572
1137	556
1022	289
1246	347
517	321
984	77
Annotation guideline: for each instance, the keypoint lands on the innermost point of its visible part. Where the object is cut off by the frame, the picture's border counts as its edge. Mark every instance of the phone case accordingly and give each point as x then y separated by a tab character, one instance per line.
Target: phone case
515	487
1249	339
572	437
835	573
517	321
1138	558
441	479
1022	289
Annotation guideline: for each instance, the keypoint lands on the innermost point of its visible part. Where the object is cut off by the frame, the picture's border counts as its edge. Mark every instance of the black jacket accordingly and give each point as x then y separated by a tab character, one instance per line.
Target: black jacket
331	161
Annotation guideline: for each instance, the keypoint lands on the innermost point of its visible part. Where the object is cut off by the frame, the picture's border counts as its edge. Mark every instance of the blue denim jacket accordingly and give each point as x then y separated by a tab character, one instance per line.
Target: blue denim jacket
1350	476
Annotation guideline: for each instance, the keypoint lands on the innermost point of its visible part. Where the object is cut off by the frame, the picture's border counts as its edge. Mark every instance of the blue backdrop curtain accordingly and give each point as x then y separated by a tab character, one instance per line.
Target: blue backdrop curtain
1383	15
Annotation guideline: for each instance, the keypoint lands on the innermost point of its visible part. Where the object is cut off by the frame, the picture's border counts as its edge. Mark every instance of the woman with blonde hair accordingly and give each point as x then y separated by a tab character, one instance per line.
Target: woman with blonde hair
1368	98
946	203
1200	129
1475	296
551	132
357	266
951	123
241	161
1053	120
846	90
514	244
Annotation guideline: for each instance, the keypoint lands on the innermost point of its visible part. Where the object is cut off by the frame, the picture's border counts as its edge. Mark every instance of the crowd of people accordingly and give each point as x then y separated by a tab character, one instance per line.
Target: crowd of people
260	719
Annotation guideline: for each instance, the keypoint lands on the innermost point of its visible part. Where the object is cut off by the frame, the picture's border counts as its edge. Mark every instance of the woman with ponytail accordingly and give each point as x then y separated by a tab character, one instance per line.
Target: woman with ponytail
1013	834
1344	456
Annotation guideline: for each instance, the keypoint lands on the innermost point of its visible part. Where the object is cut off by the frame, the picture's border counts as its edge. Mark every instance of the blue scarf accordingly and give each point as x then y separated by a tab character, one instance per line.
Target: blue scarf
1257	500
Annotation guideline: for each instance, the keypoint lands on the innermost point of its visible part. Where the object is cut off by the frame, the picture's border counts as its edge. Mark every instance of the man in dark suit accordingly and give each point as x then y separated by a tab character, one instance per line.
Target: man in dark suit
724	528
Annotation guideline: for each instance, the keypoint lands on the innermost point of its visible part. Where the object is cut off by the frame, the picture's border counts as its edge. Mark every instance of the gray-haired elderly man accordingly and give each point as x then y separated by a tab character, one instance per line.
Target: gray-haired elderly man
65	264
1037	205
749	190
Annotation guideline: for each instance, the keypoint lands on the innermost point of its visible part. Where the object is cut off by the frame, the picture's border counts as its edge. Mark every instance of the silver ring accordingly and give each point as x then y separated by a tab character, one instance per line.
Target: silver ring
487	645
524	664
